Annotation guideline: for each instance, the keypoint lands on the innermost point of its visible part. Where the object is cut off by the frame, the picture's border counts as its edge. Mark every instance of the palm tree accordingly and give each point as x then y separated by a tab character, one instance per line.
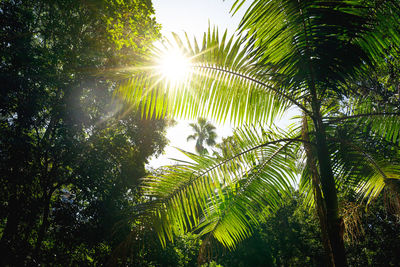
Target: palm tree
293	53
204	132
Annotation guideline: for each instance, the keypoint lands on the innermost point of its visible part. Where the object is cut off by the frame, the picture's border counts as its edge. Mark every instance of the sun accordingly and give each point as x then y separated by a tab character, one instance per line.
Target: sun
174	65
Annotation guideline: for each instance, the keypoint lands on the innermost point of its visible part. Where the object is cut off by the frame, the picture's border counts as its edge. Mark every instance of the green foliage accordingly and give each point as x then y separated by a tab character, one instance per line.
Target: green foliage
142	248
220	69
213	195
287	237
290	237
378	245
130	25
71	158
211	264
70	155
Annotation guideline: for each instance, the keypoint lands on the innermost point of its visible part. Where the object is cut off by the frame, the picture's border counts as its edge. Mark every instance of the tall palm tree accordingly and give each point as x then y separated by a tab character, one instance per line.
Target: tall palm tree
293	53
204	132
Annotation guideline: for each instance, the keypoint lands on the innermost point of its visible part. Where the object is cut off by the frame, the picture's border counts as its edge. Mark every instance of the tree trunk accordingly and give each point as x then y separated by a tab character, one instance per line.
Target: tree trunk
319	202
44	225
334	222
9	239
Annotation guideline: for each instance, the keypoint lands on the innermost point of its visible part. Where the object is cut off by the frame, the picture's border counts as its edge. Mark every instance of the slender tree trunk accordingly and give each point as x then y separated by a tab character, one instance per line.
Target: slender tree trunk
334	222
44	225
319	202
328	186
8	239
12	223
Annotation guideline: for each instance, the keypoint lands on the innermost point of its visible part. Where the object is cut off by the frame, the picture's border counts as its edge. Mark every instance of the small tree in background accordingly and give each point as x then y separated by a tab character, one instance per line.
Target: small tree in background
204	133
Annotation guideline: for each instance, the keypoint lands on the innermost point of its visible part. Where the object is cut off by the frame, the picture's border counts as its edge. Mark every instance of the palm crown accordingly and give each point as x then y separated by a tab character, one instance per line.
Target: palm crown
204	133
291	53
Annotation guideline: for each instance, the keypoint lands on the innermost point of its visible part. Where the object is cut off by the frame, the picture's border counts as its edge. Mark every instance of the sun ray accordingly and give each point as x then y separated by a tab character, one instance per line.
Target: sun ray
174	65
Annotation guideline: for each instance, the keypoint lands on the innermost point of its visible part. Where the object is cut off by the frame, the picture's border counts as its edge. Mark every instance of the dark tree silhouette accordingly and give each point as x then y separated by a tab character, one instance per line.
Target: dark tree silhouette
204	134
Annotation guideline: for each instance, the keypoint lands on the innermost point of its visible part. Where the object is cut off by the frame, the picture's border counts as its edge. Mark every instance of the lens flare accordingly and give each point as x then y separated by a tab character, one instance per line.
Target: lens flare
174	65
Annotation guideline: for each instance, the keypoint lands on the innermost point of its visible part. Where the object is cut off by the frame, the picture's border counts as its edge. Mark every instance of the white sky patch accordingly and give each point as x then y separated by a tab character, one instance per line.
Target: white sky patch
194	16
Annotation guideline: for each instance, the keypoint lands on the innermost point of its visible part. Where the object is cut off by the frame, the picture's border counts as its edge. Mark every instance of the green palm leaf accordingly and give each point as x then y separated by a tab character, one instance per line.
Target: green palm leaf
364	163
220	71
224	197
319	43
380	121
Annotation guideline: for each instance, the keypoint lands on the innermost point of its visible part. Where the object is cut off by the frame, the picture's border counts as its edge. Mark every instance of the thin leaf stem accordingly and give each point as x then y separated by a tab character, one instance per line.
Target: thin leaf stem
368	156
191	180
296	139
334	120
248	182
257	82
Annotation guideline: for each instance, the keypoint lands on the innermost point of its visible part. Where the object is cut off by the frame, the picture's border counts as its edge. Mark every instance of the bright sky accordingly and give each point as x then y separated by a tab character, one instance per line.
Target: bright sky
193	17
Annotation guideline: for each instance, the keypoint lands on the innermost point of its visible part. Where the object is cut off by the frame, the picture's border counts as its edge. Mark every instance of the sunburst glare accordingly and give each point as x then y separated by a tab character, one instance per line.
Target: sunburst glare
174	65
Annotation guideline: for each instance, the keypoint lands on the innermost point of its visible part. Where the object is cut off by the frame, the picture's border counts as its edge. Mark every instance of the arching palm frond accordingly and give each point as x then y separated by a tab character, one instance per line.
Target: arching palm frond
364	152
224	197
191	137
319	43
385	176
364	163
224	81
366	115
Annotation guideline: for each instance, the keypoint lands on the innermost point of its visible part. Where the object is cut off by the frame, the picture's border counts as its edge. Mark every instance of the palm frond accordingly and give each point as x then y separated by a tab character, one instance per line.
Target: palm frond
379	121
191	137
319	43
221	71
371	186
364	166
224	197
